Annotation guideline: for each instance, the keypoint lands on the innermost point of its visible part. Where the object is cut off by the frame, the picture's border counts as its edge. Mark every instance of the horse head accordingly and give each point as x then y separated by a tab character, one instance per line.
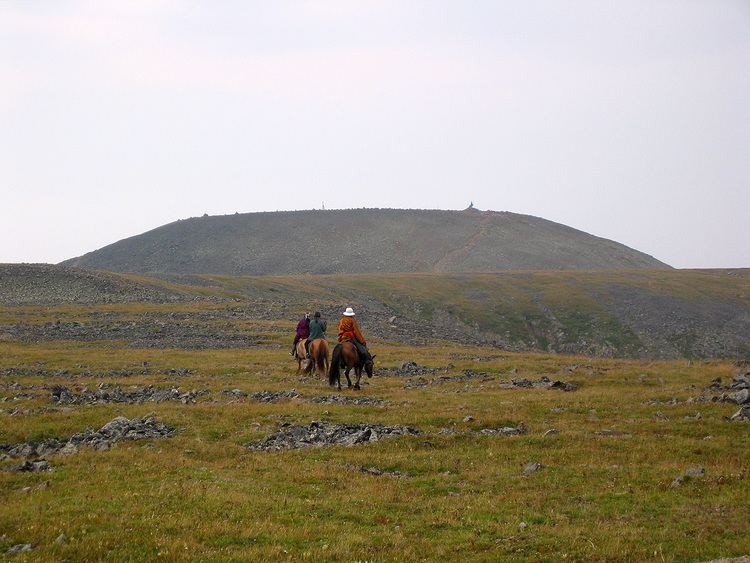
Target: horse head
369	364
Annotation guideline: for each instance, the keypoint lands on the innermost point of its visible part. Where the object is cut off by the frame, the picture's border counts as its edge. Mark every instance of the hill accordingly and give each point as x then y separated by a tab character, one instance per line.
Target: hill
46	284
362	240
633	313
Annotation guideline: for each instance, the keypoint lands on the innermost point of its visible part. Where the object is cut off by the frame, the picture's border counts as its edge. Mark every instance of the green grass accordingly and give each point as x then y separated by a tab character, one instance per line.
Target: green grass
202	495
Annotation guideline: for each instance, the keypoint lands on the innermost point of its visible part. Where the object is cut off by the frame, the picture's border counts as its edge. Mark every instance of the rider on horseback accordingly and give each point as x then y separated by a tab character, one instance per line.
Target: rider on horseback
303	331
317	330
349	332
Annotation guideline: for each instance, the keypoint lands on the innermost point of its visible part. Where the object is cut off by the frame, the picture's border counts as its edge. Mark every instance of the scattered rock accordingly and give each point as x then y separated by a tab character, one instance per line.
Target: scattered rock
318	434
660	416
551	432
378	472
106	393
342	400
678	481
740	397
274	396
696	416
149	330
19	548
531	467
742	415
32	466
118	429
690	473
468	419
738	392
693	472
412	368
543	382
504	431
671	401
61	539
523	525
467	375
68	449
612	433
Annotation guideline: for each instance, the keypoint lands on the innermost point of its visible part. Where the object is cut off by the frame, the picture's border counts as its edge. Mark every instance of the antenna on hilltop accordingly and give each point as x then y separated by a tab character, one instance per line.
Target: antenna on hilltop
324	205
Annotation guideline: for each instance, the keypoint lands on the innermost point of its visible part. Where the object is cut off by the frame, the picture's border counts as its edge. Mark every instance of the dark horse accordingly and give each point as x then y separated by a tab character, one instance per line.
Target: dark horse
345	355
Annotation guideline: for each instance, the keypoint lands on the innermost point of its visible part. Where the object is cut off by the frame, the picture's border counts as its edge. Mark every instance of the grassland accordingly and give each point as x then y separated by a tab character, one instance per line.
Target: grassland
202	495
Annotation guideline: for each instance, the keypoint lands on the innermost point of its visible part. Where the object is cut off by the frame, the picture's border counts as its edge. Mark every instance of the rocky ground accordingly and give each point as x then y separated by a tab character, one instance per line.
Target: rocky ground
139	333
118	429
736	392
46	284
542	383
469	375
317	434
83	372
276	396
108	393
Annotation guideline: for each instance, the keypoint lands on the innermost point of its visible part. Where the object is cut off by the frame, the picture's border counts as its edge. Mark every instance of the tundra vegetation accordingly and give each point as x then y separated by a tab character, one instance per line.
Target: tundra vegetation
464	451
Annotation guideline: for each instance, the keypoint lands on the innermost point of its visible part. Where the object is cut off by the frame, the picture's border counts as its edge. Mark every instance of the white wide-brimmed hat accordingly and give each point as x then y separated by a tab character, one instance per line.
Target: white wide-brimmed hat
349	312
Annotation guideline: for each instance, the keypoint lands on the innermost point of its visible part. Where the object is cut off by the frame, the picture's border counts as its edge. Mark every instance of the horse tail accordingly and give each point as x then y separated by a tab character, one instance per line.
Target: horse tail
322	357
333	370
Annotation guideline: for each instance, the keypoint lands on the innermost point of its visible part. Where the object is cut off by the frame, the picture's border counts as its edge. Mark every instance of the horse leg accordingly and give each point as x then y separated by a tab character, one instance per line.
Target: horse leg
358	373
348	381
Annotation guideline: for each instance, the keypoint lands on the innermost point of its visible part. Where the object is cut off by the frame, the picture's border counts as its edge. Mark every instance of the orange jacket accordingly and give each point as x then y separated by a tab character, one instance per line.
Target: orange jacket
349	330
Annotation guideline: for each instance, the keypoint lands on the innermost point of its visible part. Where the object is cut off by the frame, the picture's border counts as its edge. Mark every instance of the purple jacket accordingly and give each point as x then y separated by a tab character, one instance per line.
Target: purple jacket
303	328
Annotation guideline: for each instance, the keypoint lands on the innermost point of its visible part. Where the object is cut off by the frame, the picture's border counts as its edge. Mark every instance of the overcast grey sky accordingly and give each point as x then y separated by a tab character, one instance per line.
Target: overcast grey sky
629	120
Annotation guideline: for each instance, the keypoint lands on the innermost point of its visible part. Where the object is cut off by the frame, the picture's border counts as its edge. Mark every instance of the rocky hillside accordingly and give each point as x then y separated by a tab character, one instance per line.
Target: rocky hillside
362	240
633	313
45	284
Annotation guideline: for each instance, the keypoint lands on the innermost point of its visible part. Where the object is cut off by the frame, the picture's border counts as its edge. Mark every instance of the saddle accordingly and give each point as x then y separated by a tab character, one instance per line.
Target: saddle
361	355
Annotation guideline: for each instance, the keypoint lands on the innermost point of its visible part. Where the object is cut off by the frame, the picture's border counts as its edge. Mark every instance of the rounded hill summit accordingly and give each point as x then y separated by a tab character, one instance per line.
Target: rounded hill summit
360	241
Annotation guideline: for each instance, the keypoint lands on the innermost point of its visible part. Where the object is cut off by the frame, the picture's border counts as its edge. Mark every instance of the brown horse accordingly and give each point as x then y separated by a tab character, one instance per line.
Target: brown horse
345	356
318	356
300	354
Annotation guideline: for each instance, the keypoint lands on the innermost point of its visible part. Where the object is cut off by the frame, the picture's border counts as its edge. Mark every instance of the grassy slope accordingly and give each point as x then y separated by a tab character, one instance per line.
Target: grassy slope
201	495
530	308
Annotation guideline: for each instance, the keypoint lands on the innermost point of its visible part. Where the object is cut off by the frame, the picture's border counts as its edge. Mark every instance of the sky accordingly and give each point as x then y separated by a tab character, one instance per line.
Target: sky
628	120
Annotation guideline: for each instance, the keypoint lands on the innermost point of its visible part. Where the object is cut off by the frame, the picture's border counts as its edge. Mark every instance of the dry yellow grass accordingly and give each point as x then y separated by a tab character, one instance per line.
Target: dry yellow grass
202	495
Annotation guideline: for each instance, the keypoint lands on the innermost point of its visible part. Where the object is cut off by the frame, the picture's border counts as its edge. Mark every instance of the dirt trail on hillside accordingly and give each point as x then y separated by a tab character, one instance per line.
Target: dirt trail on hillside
443	265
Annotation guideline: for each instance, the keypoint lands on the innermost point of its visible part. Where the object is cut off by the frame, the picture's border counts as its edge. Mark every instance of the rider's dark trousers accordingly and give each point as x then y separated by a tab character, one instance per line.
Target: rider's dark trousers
361	348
